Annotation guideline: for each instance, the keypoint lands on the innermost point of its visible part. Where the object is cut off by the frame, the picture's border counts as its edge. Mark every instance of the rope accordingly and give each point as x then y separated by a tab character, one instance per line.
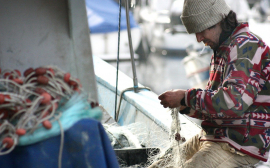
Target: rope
61	144
29	102
118	50
135	88
121	97
176	137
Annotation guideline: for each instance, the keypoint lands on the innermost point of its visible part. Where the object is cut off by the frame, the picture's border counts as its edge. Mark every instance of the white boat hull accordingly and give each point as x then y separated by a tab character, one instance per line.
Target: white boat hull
142	107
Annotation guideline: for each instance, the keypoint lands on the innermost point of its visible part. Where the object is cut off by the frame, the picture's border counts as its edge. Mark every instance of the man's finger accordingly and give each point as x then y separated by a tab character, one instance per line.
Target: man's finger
161	96
162	101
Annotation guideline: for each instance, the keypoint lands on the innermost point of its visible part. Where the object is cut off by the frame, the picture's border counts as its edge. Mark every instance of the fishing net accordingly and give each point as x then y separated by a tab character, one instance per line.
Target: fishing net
173	155
136	136
33	102
140	135
122	137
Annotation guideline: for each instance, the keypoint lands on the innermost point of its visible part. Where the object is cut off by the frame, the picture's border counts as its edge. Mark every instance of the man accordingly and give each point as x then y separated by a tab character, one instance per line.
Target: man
235	105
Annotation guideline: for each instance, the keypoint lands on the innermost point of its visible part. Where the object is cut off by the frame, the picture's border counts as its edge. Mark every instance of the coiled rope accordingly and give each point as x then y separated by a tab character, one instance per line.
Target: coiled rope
30	101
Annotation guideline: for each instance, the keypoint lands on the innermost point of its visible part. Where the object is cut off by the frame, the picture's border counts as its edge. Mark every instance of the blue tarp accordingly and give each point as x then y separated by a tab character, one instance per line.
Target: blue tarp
86	144
103	16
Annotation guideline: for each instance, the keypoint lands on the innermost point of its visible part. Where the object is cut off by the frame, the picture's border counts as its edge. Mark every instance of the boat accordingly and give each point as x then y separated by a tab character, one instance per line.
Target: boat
37	33
196	65
103	20
163	29
260	11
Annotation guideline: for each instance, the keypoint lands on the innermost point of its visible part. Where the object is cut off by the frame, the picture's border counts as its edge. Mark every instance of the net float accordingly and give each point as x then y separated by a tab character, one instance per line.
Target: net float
9	142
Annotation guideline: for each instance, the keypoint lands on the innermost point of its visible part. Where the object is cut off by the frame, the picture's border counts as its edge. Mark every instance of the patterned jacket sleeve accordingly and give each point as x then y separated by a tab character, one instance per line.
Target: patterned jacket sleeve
239	89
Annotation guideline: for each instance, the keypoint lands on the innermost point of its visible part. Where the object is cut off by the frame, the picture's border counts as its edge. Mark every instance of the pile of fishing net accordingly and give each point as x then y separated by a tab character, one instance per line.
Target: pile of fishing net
138	135
39	104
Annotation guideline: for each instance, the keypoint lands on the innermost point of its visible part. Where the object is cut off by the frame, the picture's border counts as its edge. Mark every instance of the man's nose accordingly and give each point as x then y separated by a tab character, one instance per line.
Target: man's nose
199	37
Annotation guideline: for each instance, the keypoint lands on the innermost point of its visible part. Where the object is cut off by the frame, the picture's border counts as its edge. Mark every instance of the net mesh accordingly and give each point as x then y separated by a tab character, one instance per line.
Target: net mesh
30	100
141	135
173	155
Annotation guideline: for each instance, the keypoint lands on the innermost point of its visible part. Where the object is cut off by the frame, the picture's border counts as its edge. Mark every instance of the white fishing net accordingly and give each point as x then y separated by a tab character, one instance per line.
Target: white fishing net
140	135
173	156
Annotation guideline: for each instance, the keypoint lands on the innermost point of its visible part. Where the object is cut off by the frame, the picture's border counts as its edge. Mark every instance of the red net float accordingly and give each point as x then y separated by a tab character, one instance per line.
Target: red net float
52	71
40	71
28	71
47	124
67	77
46	98
20	131
9	142
73	83
8	75
2	98
42	80
18	72
17	80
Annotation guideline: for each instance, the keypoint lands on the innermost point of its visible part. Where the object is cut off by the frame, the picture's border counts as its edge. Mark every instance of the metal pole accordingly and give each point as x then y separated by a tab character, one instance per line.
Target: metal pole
135	81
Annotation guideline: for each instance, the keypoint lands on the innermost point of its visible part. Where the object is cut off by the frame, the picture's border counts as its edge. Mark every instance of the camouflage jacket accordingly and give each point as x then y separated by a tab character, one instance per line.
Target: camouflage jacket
235	106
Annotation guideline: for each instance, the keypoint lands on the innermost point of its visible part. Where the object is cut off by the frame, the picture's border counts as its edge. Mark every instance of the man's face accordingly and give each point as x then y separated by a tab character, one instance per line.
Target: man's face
210	36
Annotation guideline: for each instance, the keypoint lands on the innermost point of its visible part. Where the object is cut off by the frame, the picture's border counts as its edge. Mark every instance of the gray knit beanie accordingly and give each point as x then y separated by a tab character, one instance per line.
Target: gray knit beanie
199	15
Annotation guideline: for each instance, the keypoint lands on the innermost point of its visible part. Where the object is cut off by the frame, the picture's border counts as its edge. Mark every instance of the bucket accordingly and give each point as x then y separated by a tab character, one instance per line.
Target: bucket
135	156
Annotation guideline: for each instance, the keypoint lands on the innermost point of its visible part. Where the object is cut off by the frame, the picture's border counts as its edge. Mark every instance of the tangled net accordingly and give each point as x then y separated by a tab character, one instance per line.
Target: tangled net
170	153
176	140
137	136
30	101
173	155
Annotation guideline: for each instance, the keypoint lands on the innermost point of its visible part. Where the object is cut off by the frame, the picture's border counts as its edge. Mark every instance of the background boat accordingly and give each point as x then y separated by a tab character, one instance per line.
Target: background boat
103	20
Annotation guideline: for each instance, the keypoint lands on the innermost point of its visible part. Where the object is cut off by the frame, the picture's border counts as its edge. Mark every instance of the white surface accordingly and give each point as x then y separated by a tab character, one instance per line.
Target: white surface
37	33
261	29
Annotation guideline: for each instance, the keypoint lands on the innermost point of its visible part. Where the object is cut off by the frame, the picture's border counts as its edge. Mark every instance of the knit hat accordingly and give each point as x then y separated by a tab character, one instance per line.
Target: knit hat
198	15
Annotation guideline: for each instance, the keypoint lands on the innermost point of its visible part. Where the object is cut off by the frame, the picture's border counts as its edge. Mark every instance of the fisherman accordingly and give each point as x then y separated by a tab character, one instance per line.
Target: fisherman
235	105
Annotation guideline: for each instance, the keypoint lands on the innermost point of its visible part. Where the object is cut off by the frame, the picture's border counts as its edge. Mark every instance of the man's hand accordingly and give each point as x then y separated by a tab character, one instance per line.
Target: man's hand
172	98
